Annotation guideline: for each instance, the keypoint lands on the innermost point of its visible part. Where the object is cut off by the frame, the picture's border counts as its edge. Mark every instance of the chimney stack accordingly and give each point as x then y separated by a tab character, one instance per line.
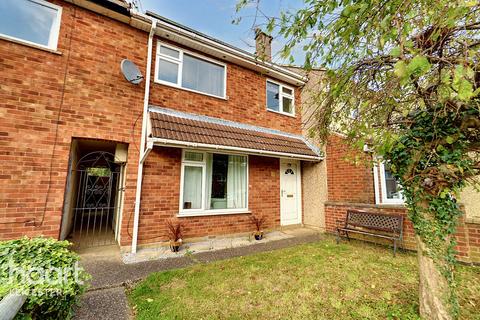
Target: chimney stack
263	45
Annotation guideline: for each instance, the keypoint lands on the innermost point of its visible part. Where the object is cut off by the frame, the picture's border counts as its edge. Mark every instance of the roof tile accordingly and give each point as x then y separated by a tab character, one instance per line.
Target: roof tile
167	126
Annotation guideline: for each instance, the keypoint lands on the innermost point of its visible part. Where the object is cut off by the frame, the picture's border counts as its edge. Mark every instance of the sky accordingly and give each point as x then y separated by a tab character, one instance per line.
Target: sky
214	18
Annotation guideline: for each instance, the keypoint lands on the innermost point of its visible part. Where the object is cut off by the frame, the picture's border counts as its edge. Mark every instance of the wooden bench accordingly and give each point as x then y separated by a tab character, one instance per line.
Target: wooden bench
380	225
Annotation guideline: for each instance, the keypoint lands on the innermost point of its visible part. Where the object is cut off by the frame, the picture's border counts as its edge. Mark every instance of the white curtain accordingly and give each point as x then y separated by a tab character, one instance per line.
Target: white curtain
192	187
202	76
237	182
208	183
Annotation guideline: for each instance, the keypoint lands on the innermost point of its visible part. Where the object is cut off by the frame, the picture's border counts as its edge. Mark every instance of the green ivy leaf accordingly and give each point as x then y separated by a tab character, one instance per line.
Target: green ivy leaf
465	90
418	66
400	69
395	52
450	139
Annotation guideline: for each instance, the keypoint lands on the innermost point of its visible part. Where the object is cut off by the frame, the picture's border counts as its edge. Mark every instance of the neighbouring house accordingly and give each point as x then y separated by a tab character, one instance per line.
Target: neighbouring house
210	136
337	184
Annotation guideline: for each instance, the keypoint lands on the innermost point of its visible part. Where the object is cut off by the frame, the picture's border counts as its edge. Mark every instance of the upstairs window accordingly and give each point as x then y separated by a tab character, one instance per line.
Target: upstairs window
178	68
280	98
34	22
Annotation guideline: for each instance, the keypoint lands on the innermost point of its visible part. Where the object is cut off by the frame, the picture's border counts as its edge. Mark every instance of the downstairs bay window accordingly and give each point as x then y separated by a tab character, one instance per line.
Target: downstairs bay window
213	183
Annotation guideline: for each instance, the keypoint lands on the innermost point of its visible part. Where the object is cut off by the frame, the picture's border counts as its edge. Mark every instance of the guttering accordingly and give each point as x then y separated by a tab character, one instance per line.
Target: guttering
195	145
147	151
123	12
117	10
226	49
142	154
114	5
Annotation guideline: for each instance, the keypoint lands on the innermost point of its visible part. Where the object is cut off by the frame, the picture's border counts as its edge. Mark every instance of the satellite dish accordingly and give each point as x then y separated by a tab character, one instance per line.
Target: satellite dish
131	72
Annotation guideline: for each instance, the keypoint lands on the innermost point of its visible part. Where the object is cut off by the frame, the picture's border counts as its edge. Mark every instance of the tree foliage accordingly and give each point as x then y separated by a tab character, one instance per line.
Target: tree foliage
403	77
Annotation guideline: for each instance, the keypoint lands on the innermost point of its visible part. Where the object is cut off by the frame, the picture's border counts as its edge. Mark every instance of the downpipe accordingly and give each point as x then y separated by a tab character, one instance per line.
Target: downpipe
143	153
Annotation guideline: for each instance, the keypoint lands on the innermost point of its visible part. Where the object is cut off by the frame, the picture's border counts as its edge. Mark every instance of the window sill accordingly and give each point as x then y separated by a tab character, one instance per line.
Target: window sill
29	44
392	203
282	113
218	212
189	90
365	205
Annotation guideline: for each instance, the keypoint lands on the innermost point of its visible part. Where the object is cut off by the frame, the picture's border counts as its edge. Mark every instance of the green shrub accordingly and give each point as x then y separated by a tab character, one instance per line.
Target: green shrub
46	271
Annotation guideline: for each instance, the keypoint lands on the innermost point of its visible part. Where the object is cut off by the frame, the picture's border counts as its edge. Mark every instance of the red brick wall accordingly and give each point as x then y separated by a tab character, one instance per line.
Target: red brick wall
347	181
85	82
246	92
350	187
473	233
83	87
161	192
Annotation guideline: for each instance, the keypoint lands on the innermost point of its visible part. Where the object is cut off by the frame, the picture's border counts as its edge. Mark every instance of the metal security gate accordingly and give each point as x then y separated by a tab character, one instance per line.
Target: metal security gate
95	213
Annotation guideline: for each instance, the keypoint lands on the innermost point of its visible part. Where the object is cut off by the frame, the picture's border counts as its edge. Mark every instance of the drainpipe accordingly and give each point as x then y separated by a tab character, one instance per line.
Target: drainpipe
143	154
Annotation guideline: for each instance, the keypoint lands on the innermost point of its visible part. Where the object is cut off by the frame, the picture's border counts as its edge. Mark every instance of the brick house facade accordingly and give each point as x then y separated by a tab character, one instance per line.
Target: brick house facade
338	184
354	187
49	98
62	104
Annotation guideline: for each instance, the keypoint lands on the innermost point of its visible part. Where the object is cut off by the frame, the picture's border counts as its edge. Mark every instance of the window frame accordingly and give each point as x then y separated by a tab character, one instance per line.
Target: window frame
281	96
202	211
382	186
179	61
54	32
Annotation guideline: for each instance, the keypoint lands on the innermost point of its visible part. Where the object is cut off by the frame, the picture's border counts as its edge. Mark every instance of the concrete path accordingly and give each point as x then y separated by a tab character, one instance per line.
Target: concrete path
106	297
105	304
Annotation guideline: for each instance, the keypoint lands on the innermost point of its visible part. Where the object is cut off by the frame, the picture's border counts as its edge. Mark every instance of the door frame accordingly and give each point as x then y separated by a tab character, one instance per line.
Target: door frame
299	192
120	201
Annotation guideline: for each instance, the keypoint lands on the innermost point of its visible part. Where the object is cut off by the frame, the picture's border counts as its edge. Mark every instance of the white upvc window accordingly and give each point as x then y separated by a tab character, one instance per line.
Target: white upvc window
190	71
32	22
213	183
280	98
387	189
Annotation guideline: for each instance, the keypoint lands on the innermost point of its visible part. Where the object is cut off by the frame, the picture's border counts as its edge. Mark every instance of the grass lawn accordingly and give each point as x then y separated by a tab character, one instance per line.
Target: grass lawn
322	280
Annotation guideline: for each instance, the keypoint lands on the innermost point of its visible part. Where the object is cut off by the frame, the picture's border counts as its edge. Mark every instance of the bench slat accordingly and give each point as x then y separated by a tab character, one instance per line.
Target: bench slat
374	221
369	233
367	223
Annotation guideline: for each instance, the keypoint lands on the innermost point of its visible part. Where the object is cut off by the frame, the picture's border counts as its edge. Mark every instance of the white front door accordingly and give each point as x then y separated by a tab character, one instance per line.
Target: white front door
290	208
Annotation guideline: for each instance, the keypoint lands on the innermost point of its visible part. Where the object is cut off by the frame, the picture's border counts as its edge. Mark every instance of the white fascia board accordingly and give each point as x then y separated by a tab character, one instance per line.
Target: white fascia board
144	22
236	56
212	147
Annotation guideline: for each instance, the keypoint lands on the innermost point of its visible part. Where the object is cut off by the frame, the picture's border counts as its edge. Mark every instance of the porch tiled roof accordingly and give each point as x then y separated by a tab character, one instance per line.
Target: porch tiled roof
177	126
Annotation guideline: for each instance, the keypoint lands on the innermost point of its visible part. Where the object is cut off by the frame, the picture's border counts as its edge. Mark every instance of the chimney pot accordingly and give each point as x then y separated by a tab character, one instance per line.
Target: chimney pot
263	45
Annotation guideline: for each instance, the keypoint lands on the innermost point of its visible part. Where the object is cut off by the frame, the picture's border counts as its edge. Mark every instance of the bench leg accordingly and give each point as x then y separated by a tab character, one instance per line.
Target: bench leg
338	236
348	237
394	247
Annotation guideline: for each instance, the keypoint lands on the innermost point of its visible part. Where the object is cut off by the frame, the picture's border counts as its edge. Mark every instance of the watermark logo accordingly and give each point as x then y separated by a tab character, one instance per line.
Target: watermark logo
43	280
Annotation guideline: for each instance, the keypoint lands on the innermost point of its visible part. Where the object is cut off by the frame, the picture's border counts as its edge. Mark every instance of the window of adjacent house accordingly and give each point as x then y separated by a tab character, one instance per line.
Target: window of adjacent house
181	69
280	98
31	21
212	181
390	188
